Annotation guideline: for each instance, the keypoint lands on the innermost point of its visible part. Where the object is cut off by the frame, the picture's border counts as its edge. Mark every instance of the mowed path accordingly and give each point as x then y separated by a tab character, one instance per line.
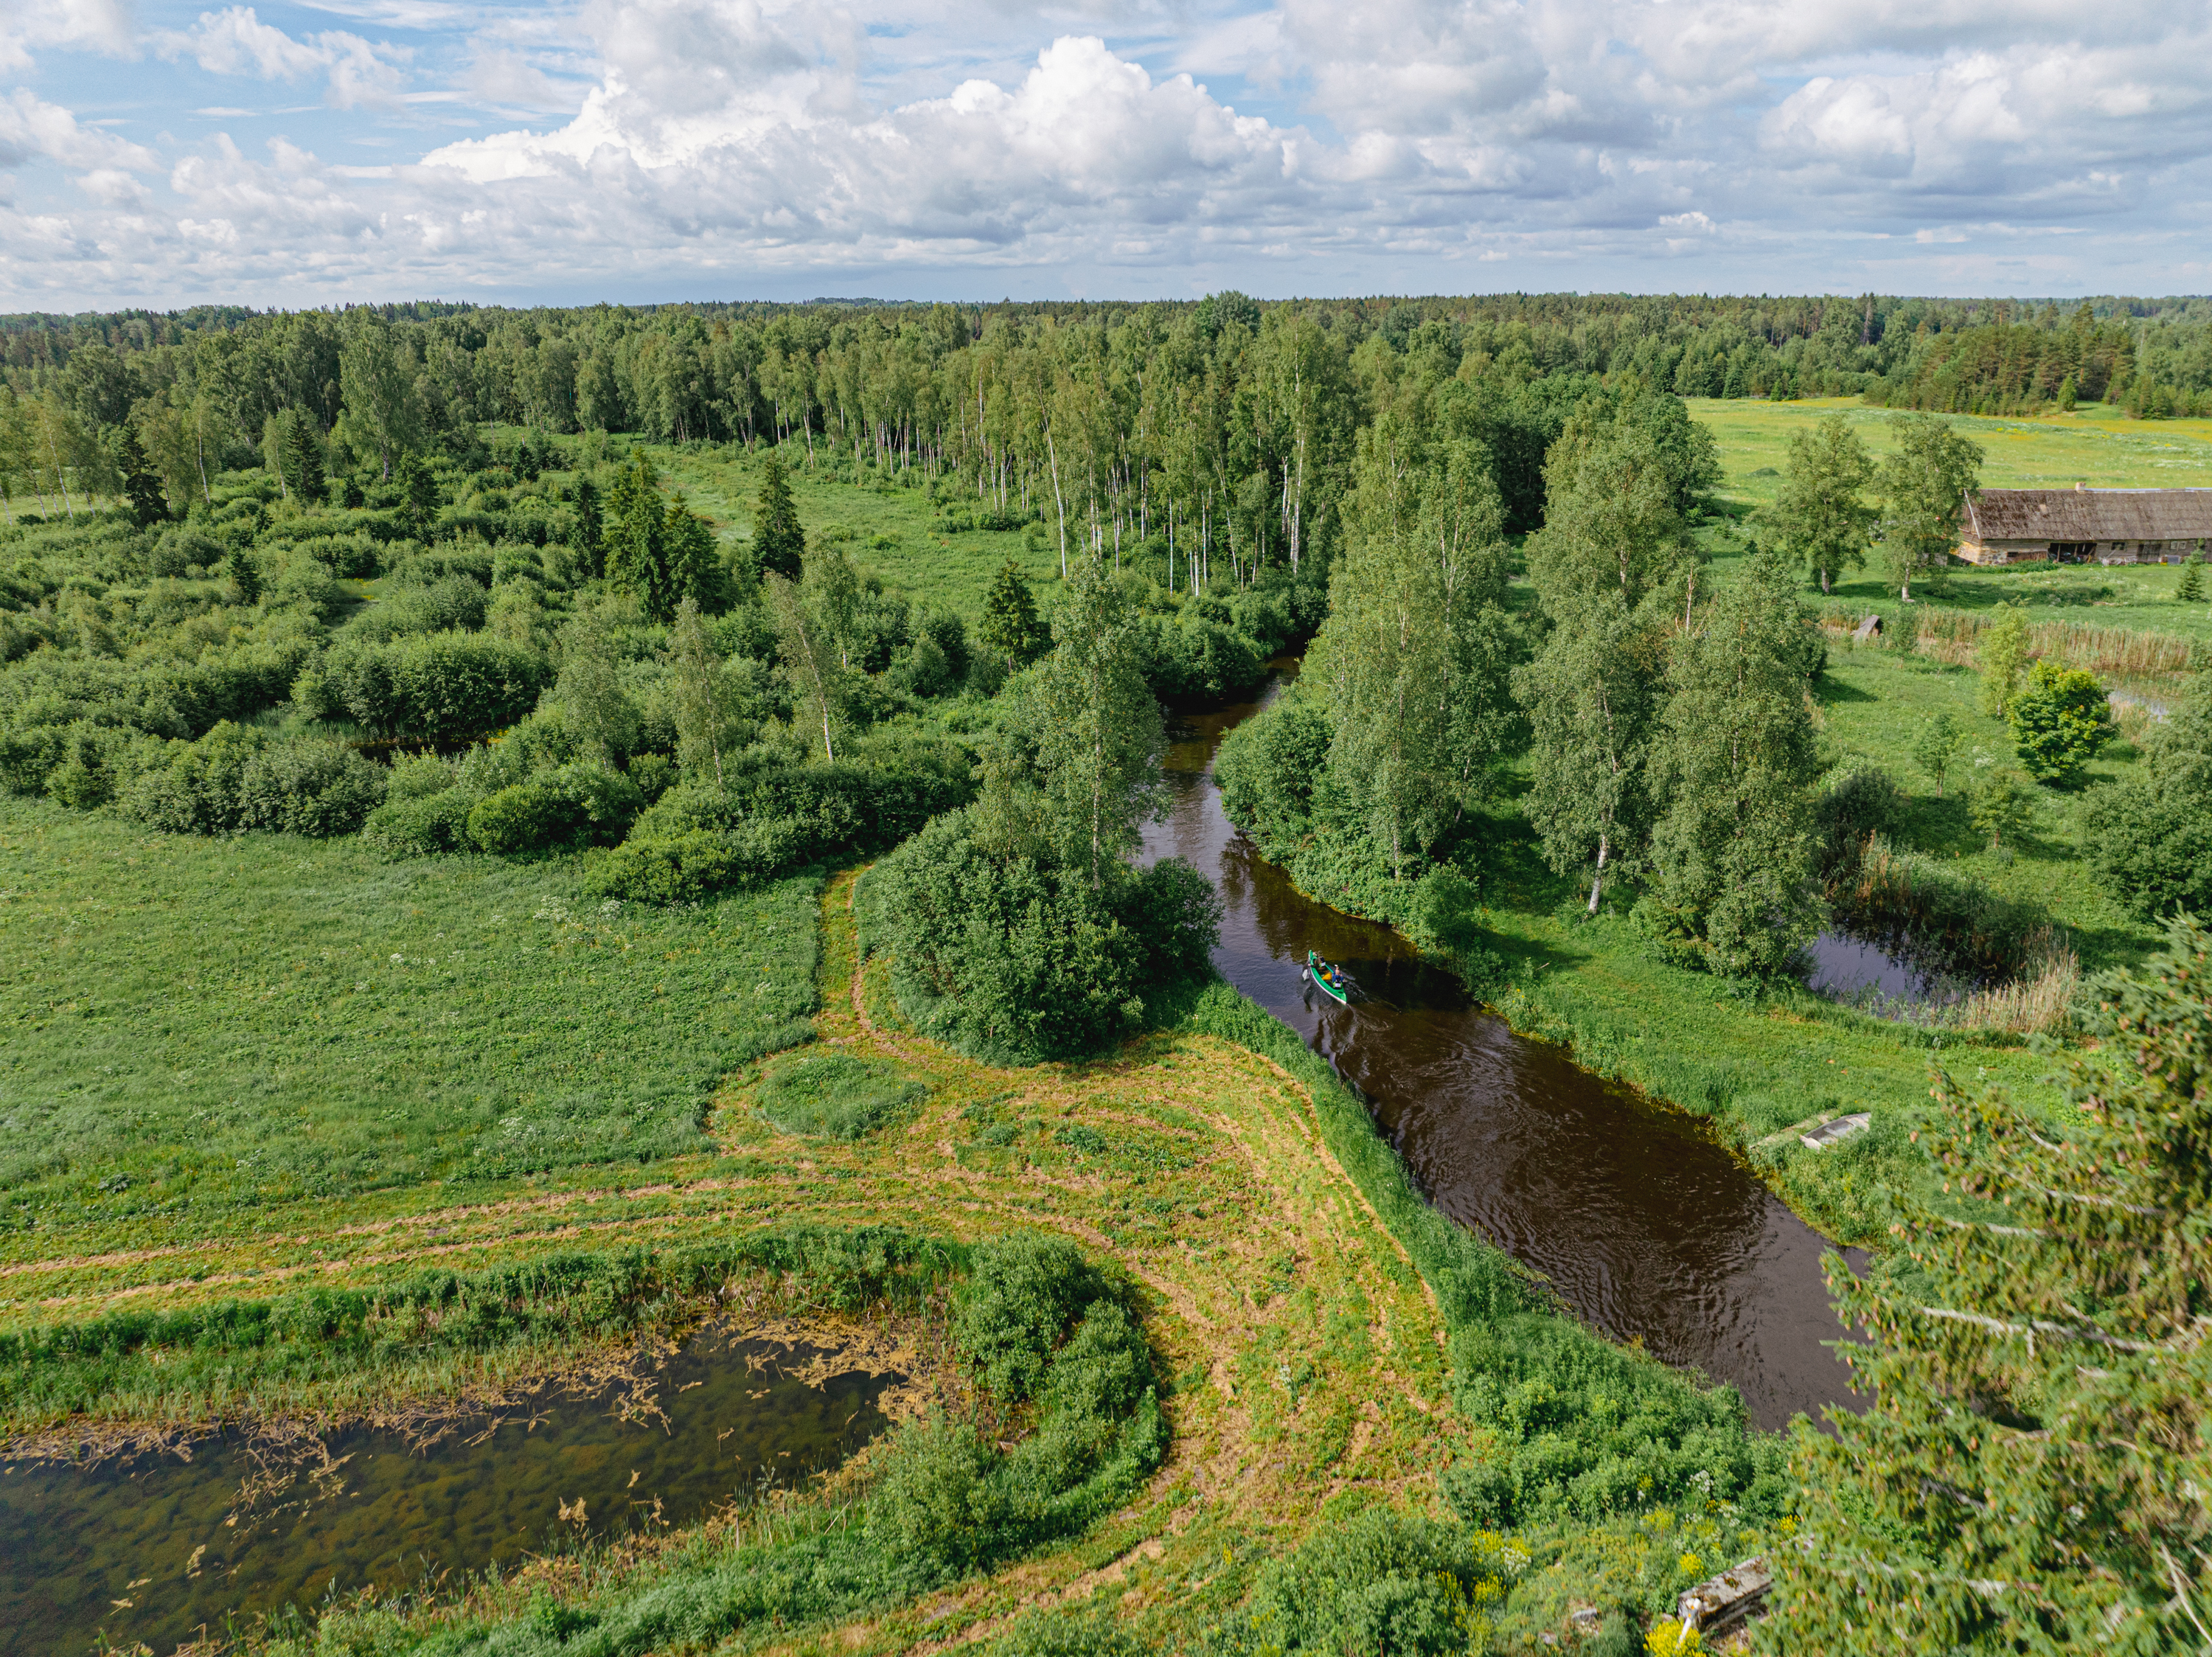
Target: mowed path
1302	1356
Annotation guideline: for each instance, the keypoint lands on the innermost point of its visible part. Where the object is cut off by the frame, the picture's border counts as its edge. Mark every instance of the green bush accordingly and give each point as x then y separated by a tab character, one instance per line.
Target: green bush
576	804
1019	960
420	825
1065	1633
1384	1584
672	869
836	1095
937	1501
1022	1293
2059	723
438	687
2149	837
234	779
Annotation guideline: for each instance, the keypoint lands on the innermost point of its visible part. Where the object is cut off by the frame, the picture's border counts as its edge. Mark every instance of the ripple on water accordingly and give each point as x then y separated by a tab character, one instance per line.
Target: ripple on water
171	1539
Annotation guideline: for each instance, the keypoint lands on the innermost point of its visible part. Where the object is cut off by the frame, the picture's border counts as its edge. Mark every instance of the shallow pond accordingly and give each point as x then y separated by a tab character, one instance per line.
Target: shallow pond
158	1548
1881	977
1649	1230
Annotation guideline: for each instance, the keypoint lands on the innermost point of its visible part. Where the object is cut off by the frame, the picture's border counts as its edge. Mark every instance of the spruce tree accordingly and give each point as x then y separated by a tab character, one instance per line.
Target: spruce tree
692	562
2192	590
585	500
779	544
1009	617
2033	1475
140	486
636	537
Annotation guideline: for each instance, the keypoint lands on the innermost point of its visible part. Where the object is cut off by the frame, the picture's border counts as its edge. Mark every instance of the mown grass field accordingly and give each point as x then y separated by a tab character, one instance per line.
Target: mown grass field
1299	1346
203	1036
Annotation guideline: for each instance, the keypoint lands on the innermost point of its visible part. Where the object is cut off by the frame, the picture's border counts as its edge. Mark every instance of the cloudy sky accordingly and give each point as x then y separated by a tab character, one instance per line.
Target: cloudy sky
655	150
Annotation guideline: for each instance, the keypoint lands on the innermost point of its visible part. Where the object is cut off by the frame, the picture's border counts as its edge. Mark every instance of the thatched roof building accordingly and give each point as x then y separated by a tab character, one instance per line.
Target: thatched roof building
2077	525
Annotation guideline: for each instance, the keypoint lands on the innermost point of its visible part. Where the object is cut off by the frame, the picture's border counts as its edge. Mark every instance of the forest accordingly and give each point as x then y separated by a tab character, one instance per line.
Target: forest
332	644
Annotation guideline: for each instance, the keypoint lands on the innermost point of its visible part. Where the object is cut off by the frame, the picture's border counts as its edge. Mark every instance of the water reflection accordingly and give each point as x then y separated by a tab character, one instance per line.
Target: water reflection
1647	1228
173	1542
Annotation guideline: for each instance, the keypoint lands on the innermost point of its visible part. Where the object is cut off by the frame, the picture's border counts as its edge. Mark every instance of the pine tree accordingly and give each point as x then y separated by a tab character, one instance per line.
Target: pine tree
2033	1474
1009	617
779	544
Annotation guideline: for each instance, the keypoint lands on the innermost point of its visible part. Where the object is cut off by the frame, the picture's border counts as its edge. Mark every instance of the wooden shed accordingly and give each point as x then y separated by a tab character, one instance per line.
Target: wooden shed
2083	526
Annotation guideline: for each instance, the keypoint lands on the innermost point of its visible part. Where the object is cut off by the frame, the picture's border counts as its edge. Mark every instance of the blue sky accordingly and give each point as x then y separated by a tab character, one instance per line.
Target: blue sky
651	150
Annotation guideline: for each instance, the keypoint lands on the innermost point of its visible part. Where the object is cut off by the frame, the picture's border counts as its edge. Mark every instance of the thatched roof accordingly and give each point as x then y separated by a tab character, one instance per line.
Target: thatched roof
2089	515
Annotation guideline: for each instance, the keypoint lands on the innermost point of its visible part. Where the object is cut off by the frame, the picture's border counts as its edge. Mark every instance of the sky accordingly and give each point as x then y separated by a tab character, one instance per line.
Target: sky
653	150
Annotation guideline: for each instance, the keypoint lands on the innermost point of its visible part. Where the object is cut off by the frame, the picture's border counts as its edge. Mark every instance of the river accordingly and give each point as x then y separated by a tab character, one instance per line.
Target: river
1648	1229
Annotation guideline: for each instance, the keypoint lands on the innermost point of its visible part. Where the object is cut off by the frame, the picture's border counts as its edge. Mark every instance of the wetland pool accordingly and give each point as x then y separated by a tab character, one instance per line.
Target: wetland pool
163	1547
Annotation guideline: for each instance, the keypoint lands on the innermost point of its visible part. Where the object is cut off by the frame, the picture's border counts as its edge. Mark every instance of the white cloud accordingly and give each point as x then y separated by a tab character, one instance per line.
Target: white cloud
1396	144
26	26
32	129
235	42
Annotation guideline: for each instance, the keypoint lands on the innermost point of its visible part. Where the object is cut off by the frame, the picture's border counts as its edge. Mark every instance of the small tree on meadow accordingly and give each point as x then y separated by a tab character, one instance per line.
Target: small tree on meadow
2034	1474
2192	590
2002	808
2060	720
1009	617
1934	745
1822	515
1924	483
2004	658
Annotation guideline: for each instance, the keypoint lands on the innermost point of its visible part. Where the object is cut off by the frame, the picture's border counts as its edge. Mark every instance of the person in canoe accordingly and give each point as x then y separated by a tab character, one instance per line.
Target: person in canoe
1330	977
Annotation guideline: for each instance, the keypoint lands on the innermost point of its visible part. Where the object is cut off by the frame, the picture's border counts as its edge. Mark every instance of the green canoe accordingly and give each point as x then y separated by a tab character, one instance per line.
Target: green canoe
1330	978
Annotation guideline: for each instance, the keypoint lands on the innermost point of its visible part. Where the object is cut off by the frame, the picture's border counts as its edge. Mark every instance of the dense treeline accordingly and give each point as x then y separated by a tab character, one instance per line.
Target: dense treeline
1220	425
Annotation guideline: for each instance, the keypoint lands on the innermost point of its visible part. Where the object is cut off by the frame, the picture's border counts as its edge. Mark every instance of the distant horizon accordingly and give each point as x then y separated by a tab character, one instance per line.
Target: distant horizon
2063	302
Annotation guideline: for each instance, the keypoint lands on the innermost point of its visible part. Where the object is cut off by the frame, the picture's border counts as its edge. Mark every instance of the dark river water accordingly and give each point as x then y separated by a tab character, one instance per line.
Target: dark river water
1644	1224
160	1550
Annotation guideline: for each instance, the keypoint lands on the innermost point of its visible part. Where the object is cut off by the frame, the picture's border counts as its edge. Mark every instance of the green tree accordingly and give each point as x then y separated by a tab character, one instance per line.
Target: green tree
1009	617
595	709
1593	695
1925	484
2191	589
811	659
2002	807
1610	517
1821	514
1734	854
1934	745
700	693
779	544
2060	720
1097	727
244	577
2032	1474
2004	658
140	486
420	496
693	570
636	536
383	411
585	498
2148	836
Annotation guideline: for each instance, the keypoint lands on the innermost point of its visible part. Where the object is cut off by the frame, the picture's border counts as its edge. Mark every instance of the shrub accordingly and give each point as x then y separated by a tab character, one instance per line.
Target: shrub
1020	960
1856	800
673	868
1023	1292
1049	1634
1385	1583
420	825
2149	837
2059	721
936	1501
836	1095
577	804
440	686
234	779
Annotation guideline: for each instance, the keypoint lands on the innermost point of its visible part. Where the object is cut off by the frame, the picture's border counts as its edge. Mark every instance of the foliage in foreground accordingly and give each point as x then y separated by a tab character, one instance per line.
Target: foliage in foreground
2033	1475
1045	1333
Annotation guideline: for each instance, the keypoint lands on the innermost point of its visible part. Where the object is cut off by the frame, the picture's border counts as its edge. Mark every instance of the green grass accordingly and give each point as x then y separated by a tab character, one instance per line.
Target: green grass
194	1026
2093	446
836	1095
952	571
